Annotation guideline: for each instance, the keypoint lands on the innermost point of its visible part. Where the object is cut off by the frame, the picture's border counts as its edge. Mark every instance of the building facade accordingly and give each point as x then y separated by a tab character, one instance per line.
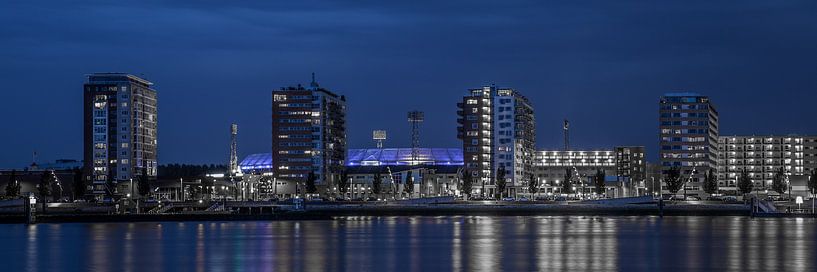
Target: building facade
631	169
688	129
403	156
308	134
497	128
762	157
120	131
428	180
626	165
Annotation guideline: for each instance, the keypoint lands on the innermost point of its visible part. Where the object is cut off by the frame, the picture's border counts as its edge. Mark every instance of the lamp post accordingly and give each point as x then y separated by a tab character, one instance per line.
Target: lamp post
812	194
788	182
181	190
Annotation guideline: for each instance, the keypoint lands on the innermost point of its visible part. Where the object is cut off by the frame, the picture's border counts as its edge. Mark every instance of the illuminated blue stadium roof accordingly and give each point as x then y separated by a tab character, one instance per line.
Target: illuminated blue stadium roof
402	156
256	162
371	157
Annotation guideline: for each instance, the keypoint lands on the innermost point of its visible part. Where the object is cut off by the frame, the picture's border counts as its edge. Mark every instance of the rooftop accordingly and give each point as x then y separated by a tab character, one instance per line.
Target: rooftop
402	156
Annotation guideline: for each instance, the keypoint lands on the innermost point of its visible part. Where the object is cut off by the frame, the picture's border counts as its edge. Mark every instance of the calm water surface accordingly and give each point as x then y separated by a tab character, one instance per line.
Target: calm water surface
419	244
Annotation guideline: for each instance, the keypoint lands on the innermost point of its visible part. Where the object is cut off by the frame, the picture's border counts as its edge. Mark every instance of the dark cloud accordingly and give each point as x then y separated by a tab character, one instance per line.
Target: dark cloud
600	63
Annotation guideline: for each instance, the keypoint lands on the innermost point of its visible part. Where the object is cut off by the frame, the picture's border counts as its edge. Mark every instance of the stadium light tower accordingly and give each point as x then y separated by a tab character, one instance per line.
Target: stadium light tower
415	118
379	136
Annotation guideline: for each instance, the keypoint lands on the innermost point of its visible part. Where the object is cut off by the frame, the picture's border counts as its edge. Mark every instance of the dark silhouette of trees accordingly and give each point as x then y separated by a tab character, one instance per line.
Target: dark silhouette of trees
533	185
409	185
44	187
745	184
467	183
13	186
311	188
778	185
343	183
673	181
143	183
79	186
377	183
710	182
501	183
598	182
567	185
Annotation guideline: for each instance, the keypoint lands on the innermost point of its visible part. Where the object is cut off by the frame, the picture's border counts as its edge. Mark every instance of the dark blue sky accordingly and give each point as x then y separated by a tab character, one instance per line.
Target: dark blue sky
602	64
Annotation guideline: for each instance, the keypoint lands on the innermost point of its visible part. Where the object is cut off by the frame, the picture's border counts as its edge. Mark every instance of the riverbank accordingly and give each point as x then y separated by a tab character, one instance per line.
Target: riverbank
124	218
329	211
530	210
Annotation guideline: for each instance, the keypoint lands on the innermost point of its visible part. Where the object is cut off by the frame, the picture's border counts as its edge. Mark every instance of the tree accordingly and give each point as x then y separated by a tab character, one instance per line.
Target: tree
745	184
44	187
533	185
377	183
310	183
778	184
501	183
409	186
467	183
673	180
812	182
79	184
598	181
567	185
143	183
710	182
13	187
343	183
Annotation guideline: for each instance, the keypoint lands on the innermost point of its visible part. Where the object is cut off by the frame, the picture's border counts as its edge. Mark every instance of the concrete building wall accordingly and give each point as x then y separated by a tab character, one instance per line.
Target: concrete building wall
762	157
308	134
497	128
120	130
688	136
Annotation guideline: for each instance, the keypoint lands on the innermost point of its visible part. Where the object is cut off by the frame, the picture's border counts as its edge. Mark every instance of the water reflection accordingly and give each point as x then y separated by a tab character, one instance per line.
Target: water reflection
419	244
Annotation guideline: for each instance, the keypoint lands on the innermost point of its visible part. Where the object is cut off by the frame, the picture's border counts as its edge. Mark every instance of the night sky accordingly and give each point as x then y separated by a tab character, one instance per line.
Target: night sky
601	64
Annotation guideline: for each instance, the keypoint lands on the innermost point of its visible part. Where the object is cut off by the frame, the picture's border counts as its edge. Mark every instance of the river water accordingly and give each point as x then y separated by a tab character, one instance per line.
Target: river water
466	243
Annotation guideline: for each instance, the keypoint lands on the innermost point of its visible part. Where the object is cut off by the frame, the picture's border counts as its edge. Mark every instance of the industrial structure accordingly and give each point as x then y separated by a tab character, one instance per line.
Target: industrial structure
233	164
415	118
120	131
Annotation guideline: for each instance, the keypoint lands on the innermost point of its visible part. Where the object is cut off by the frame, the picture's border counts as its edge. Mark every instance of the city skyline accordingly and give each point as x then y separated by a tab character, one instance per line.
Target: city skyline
594	80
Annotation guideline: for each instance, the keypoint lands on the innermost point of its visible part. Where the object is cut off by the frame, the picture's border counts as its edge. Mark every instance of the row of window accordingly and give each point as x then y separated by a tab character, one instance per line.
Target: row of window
684	131
685	147
298	144
684	139
313	129
685	107
685	115
685	123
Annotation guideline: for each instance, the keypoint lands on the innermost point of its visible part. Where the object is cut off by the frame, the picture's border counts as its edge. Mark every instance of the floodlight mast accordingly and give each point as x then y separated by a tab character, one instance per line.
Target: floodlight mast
415	118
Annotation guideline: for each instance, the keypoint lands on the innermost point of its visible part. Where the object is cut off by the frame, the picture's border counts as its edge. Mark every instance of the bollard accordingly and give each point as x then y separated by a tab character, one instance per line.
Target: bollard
661	207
